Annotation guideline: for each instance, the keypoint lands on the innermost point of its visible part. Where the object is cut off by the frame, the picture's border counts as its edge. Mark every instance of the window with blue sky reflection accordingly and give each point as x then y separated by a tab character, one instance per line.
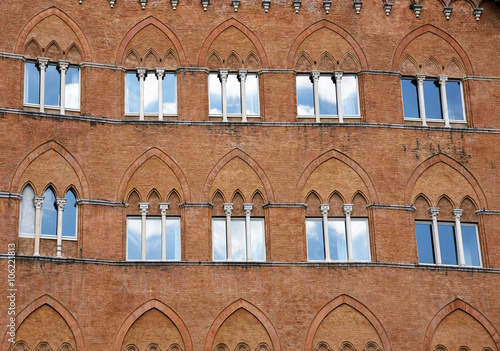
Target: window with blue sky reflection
151	103
233	94
448	245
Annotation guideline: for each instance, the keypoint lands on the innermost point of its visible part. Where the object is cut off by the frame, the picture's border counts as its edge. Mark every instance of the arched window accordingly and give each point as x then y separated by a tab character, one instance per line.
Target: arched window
27	212
49	213
70	213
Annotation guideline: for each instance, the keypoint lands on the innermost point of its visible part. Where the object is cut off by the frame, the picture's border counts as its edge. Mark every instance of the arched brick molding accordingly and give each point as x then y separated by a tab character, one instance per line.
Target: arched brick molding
250	308
14	184
120	195
246	158
421	168
343	158
428	28
161	26
21	39
223	26
160	306
325	24
56	305
451	307
358	306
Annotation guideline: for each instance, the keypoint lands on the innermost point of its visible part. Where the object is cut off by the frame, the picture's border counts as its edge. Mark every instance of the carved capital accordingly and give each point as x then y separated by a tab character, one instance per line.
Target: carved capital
434	212
141	72
457	214
348	209
159	72
315	75
38	201
420	79
143	208
248	209
63	65
338	75
42	62
442	79
163	208
228	209
223	73
61	202
242	74
324	209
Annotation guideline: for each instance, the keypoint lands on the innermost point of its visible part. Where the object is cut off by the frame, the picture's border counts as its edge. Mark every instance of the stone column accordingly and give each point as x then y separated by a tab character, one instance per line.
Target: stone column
421	101
159	75
141	73
143	206
63	67
61	202
338	89
444	99
315	79
42	64
223	73
164	210
242	76
248	229
434	212
457	215
38	200
228	210
348	212
324	212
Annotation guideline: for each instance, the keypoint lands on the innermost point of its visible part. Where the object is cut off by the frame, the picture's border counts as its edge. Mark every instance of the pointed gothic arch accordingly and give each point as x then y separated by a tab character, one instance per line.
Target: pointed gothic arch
358	306
229	310
141	310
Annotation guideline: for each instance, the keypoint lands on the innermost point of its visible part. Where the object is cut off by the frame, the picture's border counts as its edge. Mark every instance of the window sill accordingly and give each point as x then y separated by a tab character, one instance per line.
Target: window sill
51	109
446	265
149	117
50	237
234	118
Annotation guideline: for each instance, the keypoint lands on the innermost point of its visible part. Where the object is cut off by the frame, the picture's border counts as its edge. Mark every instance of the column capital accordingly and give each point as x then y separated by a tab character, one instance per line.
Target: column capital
315	74
325	208
442	79
143	207
223	73
141	72
242	74
61	202
347	209
42	62
420	78
63	65
228	209
457	214
38	201
434	212
338	75
248	209
160	72
163	208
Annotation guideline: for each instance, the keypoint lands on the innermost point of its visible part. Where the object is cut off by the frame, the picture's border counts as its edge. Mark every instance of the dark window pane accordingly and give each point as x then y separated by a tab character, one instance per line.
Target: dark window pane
49	213
31	84
315	242
69	215
454	98
410	98
52	86
132	93
471	249
424	243
305	98
447	244
327	96
432	100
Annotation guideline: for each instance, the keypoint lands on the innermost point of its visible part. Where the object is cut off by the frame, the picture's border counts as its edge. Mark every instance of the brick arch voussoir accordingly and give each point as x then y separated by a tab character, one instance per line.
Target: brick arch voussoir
167	311
428	28
250	161
335	28
421	168
14	184
240	26
186	193
452	307
358	306
229	310
60	308
21	39
161	26
343	158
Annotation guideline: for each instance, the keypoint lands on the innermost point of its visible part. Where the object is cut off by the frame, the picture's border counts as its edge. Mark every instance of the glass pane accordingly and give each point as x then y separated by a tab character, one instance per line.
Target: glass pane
238	239
215	94
69	215
150	93
305	97
49	213
219	239
233	95
153	238
424	243
471	248
447	244
27	216
252	94
350	96
454	98
170	94
173	238
31	84
432	100
327	96
52	86
258	239
337	239
133	238
132	93
72	88
410	98
315	243
360	239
